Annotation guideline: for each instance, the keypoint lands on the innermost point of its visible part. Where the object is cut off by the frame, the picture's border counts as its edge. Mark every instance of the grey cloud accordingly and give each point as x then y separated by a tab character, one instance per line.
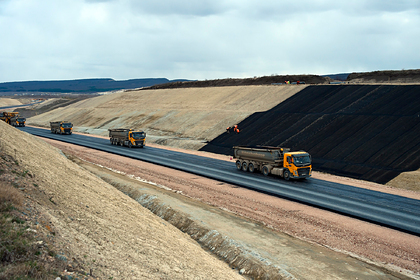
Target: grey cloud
180	7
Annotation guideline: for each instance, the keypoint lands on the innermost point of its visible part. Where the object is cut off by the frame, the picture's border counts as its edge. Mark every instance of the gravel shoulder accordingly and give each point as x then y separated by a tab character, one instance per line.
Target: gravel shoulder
298	240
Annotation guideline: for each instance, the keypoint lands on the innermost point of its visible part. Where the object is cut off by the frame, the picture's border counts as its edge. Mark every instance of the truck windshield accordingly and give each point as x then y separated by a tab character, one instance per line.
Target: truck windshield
66	125
301	160
137	135
21	119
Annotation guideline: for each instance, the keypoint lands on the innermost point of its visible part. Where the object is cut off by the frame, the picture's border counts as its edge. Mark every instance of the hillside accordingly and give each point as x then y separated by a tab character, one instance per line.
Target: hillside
265	80
93	226
390	76
81	86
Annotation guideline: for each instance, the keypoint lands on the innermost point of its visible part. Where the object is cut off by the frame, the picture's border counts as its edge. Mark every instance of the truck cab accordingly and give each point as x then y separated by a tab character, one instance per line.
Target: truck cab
18	121
137	138
297	165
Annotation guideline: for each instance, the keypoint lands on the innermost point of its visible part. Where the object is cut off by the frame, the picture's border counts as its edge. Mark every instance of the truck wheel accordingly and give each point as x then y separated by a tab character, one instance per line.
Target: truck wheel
286	175
251	168
245	166
122	143
238	165
265	171
130	145
112	141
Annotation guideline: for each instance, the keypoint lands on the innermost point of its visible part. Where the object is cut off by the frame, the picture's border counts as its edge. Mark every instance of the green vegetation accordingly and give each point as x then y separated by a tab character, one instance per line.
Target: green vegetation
23	253
20	255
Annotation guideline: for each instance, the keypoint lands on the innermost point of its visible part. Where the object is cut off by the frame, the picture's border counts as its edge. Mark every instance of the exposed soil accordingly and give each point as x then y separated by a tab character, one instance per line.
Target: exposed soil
381	248
186	118
98	227
51	104
4	102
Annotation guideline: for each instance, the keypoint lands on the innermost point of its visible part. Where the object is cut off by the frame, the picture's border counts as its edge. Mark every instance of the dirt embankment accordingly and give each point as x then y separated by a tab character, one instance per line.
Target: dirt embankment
5	102
98	226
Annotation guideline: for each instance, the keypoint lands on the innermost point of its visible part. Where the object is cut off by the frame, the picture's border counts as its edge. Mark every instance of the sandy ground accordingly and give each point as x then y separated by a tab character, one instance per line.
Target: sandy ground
96	225
376	252
5	102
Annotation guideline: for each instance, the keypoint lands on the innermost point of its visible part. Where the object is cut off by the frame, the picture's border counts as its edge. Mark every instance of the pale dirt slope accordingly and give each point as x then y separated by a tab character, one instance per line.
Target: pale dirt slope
5	102
94	222
183	118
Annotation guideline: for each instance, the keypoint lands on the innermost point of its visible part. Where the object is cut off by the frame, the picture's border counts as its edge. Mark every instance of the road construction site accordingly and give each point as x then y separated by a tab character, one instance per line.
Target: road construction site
197	119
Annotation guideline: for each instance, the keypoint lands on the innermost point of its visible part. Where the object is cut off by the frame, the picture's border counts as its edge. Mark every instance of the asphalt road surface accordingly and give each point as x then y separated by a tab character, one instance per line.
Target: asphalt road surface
389	210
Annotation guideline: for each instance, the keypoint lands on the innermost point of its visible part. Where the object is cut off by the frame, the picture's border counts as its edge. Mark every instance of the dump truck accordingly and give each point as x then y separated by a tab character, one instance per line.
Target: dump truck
127	137
7	116
18	121
61	127
273	160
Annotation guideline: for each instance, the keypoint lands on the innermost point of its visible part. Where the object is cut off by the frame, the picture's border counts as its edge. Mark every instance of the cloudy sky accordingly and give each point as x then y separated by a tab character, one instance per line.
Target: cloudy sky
207	39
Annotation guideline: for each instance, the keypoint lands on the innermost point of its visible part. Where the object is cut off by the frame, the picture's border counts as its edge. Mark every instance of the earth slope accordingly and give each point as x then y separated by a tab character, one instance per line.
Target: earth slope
100	226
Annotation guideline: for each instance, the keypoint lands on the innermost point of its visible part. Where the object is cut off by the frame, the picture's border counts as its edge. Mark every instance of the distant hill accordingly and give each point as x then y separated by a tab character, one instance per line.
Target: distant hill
339	77
389	76
256	81
83	86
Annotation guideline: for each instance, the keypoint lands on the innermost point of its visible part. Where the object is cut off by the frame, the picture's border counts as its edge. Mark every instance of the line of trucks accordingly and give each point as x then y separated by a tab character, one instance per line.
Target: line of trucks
117	136
265	159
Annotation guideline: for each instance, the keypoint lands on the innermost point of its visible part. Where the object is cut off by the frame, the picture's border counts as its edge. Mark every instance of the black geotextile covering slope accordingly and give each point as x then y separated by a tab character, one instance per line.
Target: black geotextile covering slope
367	132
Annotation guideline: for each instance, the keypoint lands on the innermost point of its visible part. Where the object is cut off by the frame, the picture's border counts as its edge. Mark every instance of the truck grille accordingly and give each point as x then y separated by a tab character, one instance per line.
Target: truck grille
303	172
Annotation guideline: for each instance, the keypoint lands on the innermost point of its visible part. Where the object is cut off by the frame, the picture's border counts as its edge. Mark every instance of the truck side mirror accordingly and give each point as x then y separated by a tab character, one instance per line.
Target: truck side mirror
289	159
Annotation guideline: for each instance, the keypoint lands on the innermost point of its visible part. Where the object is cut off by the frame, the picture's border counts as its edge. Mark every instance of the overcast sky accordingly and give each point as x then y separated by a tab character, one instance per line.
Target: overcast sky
208	39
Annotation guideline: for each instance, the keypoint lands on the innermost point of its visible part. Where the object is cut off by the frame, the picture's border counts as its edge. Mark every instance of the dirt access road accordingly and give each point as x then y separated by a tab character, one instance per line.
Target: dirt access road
271	234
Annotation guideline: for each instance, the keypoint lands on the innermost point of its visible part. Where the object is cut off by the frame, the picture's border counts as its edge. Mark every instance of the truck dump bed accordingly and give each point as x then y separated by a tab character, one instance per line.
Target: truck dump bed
119	132
260	153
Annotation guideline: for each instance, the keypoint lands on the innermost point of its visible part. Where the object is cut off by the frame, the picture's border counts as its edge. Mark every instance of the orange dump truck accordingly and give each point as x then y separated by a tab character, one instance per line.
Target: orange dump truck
273	160
127	137
17	121
61	127
7	116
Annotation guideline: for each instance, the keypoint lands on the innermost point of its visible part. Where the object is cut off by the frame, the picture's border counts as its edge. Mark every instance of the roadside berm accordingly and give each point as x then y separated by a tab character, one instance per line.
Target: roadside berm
100	227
